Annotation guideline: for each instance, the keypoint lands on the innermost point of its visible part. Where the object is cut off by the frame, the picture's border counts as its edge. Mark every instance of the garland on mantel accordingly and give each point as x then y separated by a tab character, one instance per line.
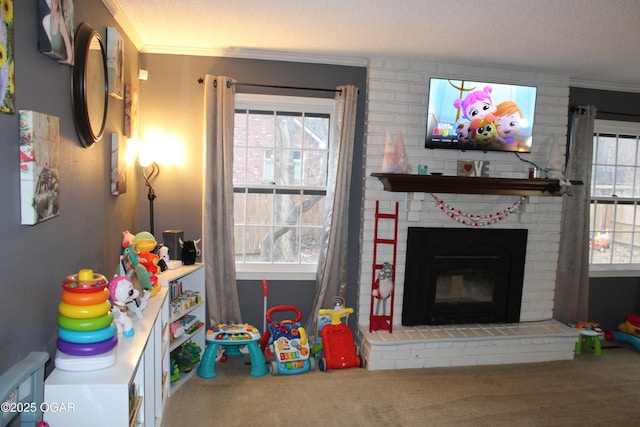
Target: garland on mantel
477	220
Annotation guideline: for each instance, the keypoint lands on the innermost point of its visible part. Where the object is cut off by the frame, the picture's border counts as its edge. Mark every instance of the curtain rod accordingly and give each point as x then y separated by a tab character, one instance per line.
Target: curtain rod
201	81
611	113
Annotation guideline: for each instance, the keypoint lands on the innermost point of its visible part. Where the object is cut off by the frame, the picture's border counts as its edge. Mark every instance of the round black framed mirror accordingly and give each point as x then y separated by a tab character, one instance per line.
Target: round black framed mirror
89	85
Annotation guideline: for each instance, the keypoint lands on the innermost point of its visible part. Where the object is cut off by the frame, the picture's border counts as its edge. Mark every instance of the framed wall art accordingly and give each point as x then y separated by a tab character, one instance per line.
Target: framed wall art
7	90
55	37
115	62
130	111
39	167
118	164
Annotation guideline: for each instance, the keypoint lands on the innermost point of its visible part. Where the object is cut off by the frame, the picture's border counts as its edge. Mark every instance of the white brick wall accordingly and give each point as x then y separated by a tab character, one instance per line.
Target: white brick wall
397	101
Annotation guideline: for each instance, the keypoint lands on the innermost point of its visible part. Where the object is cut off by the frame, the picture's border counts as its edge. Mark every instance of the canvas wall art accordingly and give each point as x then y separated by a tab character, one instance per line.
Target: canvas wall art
39	167
55	36
7	90
115	62
130	111
118	164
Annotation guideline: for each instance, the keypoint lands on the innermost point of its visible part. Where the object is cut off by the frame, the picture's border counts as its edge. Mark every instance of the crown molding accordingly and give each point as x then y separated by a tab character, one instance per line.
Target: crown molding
257	54
123	21
617	87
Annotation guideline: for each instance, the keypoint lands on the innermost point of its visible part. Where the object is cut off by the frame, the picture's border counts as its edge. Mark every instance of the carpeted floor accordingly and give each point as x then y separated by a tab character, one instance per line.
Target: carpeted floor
588	391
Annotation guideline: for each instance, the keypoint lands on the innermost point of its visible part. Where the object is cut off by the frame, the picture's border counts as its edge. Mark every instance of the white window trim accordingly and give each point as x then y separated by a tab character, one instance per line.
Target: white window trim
614	270
276	271
300	104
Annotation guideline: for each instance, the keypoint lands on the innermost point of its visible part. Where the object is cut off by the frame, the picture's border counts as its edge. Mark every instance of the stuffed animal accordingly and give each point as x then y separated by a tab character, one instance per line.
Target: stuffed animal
189	251
383	287
127	238
122	293
631	325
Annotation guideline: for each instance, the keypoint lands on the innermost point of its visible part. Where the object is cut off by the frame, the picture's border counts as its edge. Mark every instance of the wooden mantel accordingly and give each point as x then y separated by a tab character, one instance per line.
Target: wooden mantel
469	185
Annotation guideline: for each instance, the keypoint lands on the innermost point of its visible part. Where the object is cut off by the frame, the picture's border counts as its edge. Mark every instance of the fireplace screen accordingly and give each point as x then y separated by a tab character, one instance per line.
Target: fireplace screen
465	285
463	276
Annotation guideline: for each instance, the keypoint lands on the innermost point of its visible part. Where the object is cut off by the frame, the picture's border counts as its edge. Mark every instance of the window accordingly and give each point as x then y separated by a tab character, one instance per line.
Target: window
614	236
280	167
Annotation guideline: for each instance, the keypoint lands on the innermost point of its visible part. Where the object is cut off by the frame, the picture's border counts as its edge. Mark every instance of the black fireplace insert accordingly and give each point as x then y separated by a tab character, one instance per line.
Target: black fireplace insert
463	275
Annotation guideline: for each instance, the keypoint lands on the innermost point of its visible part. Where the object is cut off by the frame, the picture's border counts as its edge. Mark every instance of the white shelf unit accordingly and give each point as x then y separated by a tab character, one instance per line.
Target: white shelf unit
101	397
192	278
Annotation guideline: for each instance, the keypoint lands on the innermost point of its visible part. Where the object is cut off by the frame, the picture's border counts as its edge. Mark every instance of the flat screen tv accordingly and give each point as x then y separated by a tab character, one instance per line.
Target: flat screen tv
473	115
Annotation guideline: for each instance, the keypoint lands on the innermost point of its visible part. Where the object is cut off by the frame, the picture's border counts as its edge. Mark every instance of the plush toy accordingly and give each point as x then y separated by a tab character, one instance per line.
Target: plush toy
122	293
163	257
127	238
631	325
383	287
189	251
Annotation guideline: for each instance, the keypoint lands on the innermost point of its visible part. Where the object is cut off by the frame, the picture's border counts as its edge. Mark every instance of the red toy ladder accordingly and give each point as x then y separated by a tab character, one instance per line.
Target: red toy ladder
377	321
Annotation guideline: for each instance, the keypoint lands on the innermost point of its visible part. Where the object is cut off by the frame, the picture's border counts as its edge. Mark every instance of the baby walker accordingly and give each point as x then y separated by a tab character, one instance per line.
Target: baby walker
337	340
289	344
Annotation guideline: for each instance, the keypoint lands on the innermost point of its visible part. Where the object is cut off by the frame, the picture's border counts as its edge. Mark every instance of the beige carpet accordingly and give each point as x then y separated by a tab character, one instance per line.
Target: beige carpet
588	391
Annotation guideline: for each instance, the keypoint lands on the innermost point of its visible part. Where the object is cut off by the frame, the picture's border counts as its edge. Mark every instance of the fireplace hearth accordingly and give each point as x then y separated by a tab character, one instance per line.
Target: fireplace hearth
463	275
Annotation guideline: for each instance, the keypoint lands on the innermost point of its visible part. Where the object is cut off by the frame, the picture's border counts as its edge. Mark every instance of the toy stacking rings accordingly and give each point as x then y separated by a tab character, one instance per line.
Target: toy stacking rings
84	311
85	281
88	324
89	349
87	337
85	298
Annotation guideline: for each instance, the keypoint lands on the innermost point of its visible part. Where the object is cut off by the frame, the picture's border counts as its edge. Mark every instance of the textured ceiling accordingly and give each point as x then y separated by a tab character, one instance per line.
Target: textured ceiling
589	40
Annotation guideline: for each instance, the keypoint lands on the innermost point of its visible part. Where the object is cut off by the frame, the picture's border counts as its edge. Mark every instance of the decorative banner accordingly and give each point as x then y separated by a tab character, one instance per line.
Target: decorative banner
7	89
477	220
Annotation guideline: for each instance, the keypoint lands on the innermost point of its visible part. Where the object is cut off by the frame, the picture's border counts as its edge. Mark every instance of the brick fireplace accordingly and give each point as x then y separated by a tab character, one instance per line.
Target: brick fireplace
397	93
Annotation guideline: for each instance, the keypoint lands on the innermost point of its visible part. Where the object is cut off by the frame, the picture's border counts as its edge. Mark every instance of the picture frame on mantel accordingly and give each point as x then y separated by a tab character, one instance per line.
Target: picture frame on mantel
56	30
115	63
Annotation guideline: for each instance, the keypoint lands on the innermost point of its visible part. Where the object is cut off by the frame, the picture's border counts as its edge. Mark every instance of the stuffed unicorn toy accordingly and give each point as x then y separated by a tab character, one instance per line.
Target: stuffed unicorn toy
122	293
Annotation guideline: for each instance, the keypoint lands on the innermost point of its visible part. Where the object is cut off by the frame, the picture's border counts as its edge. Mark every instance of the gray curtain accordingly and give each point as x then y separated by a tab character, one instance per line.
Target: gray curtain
572	277
331	279
220	269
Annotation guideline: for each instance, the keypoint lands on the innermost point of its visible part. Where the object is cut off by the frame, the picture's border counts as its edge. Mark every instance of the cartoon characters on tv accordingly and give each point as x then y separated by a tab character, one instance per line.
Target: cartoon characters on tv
484	123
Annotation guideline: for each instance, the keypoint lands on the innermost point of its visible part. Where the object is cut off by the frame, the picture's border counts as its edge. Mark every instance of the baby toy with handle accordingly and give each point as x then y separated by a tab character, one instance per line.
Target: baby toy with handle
337	338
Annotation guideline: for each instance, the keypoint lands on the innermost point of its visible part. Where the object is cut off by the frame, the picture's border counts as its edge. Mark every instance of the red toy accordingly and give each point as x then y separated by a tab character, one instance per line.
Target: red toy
337	339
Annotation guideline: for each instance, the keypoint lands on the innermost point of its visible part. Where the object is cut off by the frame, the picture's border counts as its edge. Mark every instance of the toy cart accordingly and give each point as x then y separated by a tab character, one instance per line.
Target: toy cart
288	343
337	339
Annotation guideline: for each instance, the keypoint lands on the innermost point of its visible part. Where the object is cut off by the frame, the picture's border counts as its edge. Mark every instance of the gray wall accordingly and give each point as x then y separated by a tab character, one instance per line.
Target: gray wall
35	259
172	103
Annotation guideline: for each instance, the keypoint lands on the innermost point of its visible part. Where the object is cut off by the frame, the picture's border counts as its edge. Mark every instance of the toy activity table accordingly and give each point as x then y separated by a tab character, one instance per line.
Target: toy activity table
231	336
590	335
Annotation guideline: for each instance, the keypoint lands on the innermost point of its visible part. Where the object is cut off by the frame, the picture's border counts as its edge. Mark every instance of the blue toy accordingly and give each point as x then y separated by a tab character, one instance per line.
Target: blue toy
628	338
289	344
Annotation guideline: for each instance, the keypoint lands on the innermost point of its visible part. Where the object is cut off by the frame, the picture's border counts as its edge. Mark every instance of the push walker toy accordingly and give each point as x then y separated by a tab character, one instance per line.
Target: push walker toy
288	340
337	339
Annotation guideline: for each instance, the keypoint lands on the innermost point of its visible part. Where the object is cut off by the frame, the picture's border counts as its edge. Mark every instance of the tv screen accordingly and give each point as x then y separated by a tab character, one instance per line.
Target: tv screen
472	115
